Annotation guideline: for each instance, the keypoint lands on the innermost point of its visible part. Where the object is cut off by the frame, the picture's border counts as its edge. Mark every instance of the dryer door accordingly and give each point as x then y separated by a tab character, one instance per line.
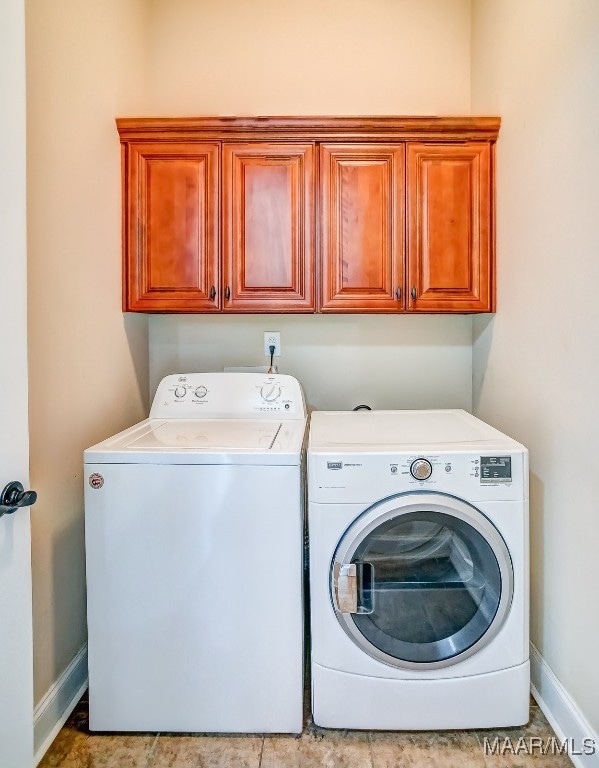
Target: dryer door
422	581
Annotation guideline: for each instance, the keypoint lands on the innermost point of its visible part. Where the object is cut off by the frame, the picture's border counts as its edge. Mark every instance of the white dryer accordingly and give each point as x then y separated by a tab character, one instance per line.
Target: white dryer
419	571
194	541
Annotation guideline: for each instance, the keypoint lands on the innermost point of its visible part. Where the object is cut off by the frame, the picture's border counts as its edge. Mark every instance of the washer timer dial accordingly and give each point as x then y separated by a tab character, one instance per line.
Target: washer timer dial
421	469
270	392
180	392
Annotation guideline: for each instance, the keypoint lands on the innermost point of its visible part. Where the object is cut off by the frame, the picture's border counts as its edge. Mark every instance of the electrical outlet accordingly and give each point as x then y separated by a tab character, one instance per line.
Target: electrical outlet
270	338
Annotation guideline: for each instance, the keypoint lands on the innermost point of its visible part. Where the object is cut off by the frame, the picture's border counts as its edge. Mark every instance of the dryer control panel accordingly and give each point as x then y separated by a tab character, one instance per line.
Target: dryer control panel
228	396
487	470
343	478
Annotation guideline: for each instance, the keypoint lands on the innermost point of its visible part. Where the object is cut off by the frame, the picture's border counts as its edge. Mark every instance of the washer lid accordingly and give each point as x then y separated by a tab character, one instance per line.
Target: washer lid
420	431
203	441
204	434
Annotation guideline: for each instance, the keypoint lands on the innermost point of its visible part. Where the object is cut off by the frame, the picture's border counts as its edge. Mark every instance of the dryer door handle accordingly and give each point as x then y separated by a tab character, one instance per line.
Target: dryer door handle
345	587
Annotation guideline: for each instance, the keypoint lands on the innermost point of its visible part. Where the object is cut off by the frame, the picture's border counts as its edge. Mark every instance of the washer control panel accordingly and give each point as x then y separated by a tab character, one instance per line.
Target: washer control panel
228	395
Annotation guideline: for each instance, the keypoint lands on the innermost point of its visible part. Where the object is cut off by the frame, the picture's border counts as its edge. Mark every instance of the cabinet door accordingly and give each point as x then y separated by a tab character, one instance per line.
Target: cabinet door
172	227
450	208
268	227
362	228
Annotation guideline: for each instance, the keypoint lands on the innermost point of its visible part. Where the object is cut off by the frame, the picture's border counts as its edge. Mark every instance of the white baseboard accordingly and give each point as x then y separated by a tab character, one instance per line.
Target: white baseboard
563	715
58	703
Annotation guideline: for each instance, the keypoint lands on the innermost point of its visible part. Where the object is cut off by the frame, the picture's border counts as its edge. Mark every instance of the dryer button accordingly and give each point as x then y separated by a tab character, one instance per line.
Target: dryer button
421	469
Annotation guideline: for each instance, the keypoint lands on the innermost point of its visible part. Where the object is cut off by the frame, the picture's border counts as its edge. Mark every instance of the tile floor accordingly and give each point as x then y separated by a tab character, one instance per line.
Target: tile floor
76	747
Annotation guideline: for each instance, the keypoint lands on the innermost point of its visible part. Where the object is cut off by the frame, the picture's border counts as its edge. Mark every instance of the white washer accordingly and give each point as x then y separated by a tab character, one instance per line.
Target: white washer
194	540
418	527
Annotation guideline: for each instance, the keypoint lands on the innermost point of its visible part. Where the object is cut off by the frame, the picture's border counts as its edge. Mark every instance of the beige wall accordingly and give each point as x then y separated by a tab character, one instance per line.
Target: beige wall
391	362
87	362
536	363
322	57
318	57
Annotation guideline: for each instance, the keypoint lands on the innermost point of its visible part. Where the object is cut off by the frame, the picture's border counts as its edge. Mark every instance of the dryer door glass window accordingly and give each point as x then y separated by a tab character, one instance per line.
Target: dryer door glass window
428	587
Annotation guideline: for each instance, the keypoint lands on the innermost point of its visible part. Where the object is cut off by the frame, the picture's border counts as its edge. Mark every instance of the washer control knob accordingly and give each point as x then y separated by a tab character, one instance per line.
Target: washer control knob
421	469
180	392
201	391
270	392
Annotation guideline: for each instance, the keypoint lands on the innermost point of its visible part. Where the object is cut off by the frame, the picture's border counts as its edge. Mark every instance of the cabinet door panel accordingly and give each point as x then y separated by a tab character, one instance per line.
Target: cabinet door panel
362	227
450	228
268	214
173	244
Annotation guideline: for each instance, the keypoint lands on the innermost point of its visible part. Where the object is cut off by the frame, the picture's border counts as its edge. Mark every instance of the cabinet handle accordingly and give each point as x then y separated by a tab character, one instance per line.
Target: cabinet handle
398	294
413	293
227	293
212	293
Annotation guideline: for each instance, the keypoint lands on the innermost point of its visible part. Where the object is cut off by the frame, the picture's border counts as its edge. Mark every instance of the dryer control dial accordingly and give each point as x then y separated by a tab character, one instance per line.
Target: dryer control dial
421	469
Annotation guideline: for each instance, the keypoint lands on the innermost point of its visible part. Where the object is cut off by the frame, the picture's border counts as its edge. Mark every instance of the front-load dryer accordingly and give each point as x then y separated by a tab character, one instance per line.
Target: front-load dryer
419	571
194	542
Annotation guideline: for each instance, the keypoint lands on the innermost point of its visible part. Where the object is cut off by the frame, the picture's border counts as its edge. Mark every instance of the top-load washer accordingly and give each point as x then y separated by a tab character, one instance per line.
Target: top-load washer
418	529
194	540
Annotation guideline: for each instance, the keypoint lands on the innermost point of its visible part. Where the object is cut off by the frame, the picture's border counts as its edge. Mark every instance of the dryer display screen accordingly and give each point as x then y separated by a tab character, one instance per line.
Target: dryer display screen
496	469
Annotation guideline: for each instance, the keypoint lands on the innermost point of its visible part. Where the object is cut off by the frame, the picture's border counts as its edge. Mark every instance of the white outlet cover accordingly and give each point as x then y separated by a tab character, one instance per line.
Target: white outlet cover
270	338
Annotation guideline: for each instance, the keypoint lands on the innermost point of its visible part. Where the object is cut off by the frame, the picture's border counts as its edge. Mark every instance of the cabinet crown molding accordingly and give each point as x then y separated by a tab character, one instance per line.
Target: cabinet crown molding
366	128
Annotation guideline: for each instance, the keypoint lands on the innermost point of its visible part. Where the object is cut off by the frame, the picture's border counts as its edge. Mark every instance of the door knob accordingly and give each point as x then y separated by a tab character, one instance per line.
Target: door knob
14	496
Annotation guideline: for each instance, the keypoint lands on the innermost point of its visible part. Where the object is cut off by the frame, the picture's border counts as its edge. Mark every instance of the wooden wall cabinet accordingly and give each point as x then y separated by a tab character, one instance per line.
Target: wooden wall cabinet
446	264
449	207
308	214
362	243
171	228
176	209
268	227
